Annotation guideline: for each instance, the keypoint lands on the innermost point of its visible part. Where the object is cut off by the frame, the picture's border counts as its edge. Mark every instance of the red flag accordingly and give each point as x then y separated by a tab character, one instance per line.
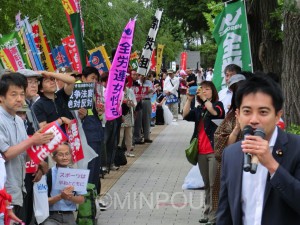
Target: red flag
183	60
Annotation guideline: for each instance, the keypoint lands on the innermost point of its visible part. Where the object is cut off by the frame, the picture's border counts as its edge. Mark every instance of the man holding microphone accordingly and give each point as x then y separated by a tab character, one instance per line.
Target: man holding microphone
271	194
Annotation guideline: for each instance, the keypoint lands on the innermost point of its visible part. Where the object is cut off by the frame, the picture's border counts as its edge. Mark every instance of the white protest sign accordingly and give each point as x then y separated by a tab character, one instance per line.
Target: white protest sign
77	178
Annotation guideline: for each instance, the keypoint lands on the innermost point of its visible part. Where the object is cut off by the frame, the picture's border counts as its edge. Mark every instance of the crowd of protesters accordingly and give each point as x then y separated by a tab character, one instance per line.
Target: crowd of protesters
29	100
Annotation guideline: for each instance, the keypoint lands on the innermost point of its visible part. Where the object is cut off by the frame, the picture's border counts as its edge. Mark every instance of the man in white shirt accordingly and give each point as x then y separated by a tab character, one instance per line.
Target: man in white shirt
171	86
270	194
225	94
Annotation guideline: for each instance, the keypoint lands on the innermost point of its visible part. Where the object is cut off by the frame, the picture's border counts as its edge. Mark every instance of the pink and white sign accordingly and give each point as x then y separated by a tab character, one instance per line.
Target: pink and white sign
117	73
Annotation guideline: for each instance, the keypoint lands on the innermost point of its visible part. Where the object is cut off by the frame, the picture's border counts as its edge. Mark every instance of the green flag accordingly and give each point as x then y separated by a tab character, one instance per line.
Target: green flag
75	20
231	35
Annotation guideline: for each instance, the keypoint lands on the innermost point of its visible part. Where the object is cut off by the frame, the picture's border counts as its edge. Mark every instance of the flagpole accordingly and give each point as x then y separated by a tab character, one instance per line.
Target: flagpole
249	44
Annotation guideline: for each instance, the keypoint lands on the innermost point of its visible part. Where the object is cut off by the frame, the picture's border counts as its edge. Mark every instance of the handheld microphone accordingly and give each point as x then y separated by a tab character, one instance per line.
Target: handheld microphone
248	130
254	161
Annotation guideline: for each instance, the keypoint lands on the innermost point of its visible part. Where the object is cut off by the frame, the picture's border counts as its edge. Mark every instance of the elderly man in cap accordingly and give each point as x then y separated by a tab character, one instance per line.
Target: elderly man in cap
32	126
171	86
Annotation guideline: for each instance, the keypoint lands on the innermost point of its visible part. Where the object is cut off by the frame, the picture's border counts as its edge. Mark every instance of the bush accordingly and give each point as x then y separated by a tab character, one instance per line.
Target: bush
294	129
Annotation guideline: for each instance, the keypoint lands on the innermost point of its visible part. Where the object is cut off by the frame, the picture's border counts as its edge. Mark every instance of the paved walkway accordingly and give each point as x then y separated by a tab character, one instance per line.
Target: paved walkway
150	192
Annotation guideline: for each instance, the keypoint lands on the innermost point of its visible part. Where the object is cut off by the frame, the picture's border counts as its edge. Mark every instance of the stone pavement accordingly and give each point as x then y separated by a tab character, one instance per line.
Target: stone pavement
150	192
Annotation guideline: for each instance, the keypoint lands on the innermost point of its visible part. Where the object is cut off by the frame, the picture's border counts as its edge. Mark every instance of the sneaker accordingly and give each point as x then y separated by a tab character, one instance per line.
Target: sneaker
128	154
174	120
139	142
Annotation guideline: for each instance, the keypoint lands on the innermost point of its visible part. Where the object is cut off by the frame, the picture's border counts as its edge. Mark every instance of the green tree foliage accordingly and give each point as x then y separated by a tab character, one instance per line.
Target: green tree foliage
104	22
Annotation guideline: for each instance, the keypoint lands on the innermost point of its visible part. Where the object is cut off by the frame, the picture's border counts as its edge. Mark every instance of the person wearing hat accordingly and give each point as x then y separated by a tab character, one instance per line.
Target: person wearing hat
225	95
228	132
13	137
171	86
191	80
31	125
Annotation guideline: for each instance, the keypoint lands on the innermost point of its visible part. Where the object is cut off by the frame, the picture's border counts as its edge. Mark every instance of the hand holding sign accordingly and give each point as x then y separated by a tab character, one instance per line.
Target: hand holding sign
40	138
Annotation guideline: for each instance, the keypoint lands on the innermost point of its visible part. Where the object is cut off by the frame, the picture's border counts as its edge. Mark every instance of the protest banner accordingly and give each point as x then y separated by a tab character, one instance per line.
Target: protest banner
72	52
42	44
97	60
60	57
74	141
160	49
183	60
231	35
153	105
134	61
153	60
12	54
99	94
148	47
82	96
30	166
140	92
77	178
117	74
171	99
40	152
105	56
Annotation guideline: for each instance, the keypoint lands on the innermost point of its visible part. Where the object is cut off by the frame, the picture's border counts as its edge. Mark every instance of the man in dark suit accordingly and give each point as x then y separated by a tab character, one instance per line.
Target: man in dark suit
272	194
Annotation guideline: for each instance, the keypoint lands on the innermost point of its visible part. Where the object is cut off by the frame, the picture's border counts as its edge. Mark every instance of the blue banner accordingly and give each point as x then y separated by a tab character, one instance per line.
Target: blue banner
97	61
34	51
60	57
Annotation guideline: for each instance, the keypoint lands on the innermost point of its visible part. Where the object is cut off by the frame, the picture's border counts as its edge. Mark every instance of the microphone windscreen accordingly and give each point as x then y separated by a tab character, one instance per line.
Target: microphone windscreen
260	132
248	130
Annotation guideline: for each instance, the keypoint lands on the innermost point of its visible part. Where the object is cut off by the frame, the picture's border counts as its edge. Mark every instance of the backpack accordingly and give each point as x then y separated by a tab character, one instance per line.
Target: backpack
87	211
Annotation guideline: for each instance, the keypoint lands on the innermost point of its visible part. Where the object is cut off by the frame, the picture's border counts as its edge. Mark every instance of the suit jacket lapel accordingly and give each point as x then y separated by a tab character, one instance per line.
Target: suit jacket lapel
278	152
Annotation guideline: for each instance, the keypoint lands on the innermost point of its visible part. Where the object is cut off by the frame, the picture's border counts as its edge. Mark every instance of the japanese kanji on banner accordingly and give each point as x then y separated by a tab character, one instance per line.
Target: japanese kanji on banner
74	141
140	92
72	52
148	48
82	96
11	52
40	152
231	35
77	178
117	73
60	57
159	55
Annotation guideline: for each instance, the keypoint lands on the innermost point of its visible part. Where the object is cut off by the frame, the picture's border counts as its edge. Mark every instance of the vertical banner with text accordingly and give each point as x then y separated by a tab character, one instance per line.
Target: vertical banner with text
117	73
183	60
159	54
72	52
148	47
231	35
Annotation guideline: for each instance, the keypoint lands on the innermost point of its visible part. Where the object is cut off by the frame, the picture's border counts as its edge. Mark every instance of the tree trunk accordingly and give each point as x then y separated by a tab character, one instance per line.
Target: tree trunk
255	27
291	67
271	45
262	38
